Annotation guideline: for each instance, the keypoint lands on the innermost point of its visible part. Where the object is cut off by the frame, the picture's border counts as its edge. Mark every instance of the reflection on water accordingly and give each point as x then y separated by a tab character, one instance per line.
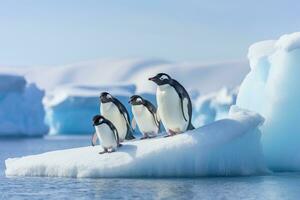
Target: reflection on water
277	186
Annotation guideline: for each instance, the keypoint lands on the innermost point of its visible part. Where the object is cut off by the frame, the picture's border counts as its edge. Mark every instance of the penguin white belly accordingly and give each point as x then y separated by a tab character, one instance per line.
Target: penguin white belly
144	119
106	136
169	109
111	112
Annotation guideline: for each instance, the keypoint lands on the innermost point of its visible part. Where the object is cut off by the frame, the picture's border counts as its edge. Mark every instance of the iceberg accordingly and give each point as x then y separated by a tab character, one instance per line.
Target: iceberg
227	147
272	89
70	108
21	109
213	106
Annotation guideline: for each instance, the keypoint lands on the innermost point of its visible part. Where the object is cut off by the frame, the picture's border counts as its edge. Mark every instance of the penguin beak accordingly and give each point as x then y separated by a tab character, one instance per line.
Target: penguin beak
152	78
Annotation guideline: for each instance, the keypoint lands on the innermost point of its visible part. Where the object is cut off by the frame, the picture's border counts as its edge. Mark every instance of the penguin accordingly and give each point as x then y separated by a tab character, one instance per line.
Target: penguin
144	115
107	133
174	104
113	110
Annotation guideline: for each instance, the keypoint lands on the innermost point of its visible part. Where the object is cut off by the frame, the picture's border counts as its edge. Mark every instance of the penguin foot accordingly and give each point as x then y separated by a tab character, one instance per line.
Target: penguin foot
119	145
104	151
171	133
144	137
111	151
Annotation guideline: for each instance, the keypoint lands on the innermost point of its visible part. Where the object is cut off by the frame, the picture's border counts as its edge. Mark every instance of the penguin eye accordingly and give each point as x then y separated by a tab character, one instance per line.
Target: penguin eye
163	77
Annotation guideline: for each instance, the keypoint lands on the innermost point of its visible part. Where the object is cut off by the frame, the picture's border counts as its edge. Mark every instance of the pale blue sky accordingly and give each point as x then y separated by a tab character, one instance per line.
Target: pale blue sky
50	32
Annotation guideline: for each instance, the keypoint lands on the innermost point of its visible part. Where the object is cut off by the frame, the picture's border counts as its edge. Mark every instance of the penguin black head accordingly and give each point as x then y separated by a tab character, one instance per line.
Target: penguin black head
97	120
136	100
161	79
105	97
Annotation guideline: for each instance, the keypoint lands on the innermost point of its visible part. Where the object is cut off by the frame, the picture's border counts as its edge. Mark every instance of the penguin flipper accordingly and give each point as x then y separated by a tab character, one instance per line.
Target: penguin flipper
116	135
94	139
152	110
184	108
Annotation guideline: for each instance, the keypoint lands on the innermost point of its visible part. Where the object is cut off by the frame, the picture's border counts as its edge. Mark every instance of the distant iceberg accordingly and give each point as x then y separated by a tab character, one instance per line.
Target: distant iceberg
213	106
70	108
21	109
272	89
72	91
227	147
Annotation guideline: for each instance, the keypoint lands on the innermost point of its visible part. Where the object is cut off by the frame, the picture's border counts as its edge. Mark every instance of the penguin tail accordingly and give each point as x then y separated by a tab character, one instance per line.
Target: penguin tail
191	127
129	136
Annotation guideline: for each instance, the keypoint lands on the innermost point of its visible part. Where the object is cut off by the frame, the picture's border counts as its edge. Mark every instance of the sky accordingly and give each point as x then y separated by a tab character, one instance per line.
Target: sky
55	32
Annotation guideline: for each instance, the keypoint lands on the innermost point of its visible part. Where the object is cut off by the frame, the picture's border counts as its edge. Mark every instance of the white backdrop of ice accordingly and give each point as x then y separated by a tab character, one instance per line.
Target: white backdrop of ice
21	109
224	148
205	77
272	89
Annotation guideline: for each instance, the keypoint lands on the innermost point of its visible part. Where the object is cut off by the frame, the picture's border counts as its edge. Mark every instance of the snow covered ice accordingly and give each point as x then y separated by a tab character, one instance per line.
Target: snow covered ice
224	148
272	89
21	109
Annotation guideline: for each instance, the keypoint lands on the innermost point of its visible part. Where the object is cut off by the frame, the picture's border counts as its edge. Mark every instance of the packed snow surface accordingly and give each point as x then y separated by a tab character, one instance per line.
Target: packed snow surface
226	147
272	89
21	109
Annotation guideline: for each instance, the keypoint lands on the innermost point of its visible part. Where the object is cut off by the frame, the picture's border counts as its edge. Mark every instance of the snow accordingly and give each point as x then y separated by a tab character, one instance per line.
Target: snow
21	109
226	147
259	51
272	89
289	42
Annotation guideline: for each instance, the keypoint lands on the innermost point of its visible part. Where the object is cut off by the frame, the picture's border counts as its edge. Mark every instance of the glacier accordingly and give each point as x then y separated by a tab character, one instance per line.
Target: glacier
21	109
272	89
203	77
227	147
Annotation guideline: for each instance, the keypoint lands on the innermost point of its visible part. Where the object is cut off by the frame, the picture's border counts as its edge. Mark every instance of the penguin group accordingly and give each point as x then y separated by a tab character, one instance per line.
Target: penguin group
174	112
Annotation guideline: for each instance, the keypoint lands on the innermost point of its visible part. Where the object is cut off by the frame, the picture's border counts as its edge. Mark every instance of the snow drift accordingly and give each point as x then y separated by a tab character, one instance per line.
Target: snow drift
21	109
224	148
272	89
